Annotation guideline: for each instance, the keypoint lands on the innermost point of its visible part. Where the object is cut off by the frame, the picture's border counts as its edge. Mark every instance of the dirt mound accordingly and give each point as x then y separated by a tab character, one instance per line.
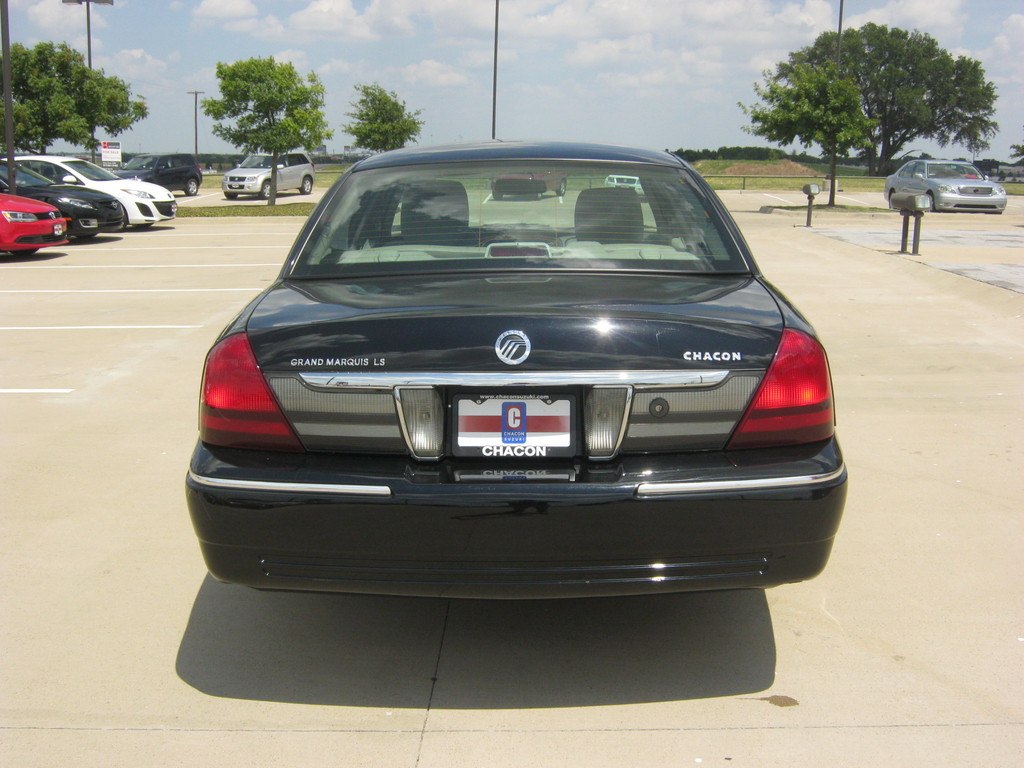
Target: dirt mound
777	168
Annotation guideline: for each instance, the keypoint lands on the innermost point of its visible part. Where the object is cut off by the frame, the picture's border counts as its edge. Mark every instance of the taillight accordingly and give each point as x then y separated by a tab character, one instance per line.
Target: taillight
237	408
794	401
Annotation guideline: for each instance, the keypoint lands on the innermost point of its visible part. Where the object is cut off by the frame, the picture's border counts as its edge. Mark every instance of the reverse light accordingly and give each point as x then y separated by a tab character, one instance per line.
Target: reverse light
606	409
422	420
237	408
793	404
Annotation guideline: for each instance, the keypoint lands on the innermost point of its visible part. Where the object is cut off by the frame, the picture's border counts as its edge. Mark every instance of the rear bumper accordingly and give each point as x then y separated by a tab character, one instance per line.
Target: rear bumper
641	526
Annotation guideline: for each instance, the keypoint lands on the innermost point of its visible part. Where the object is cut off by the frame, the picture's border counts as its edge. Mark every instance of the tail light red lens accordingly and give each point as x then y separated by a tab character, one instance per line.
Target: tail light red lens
793	404
237	408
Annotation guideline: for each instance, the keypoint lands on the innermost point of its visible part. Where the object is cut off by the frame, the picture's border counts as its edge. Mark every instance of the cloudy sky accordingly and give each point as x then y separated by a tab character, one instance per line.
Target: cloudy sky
657	73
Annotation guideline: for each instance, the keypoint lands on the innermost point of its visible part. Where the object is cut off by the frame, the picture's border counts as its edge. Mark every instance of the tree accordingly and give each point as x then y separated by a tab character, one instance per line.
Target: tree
380	121
267	107
57	97
909	86
815	106
1017	151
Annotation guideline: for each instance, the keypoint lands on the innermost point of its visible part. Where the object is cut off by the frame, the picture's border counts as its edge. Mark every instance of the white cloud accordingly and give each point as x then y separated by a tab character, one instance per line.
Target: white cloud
1009	48
334	67
49	16
296	57
434	73
942	19
610	52
266	28
220	10
331	18
136	64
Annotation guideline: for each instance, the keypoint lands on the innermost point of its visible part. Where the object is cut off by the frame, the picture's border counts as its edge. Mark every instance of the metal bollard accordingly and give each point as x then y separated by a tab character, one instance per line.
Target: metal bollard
910	205
811	190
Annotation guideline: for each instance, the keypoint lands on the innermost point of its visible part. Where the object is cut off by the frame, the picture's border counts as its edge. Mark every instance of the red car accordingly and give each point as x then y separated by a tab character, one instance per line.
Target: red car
28	225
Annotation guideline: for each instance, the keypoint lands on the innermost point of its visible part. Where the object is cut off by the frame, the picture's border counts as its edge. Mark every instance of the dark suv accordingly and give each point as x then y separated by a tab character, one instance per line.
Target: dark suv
173	171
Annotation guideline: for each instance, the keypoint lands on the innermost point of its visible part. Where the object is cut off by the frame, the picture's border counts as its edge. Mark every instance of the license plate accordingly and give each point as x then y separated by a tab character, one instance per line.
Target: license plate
58	228
235	186
516	425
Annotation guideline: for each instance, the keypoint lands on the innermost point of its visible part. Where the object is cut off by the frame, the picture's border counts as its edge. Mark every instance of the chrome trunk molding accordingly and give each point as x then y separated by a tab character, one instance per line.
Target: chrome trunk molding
644	490
261	485
638	379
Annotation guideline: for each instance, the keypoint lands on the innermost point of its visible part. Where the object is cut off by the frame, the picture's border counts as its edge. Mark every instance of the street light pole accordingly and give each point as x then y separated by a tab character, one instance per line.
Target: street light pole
494	81
12	181
88	48
196	123
832	160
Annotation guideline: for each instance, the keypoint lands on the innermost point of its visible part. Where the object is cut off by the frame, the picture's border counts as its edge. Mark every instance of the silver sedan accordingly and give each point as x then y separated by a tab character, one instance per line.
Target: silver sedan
951	185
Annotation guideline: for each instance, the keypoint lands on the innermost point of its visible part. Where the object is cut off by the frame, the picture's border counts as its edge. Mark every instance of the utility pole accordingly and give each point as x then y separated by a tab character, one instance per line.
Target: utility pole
832	160
494	81
88	46
196	123
12	186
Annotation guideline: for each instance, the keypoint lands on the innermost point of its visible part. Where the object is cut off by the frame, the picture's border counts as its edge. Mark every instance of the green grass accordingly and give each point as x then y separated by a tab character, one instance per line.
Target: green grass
824	208
281	209
793	183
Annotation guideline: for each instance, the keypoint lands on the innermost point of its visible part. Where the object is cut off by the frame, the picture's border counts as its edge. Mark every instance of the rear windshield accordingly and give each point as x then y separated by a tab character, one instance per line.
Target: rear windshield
517	215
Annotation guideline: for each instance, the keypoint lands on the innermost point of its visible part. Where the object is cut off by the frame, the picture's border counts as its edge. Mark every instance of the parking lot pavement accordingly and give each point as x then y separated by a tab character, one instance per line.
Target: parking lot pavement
119	650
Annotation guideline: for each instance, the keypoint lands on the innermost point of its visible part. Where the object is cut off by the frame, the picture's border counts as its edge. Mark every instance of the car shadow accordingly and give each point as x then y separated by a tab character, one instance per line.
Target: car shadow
164	226
104	239
16	257
367	651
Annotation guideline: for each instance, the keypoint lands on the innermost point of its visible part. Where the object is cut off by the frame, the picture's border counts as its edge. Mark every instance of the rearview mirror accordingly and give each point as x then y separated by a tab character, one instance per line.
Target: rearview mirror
69	179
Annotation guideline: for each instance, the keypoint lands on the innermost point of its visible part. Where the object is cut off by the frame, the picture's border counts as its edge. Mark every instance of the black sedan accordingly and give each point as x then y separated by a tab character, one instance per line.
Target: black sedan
449	394
87	211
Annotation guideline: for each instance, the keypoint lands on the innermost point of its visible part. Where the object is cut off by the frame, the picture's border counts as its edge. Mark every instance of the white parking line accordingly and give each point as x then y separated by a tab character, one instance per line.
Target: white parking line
776	197
130	290
93	327
136	266
35	391
196	198
97	249
205	235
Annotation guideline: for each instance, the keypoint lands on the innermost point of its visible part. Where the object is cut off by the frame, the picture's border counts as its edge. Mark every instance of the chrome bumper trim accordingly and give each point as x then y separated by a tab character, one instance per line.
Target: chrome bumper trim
759	484
638	379
262	485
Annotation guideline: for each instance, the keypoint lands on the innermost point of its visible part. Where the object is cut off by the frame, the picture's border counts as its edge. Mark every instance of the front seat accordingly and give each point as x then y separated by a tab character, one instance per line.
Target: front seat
435	213
609	215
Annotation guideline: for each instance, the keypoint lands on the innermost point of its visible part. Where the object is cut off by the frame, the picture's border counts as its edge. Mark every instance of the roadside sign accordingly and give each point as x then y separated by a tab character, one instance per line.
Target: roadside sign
111	153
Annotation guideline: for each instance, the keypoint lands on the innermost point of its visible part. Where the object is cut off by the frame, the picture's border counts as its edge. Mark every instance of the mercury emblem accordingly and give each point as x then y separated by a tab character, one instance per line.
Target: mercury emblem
512	347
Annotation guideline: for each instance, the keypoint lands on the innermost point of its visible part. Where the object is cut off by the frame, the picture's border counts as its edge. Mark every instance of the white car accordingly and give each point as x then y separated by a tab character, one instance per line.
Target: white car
144	203
630	182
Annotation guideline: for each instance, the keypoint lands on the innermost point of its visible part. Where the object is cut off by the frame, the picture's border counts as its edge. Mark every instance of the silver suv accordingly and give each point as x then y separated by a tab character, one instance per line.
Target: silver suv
252	177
